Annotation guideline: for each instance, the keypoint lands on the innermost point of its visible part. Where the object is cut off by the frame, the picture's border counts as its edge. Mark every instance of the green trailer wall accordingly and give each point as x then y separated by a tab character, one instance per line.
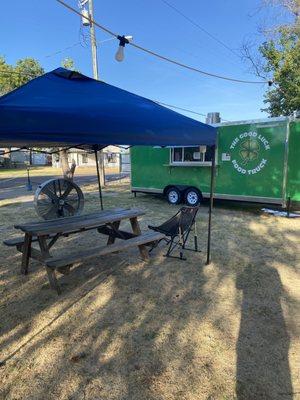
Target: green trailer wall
293	172
255	168
250	164
151	170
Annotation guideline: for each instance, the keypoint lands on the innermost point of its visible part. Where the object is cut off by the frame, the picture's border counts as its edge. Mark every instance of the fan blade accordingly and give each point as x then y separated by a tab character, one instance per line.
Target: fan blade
44	208
69	188
59	187
50	214
69	208
49	193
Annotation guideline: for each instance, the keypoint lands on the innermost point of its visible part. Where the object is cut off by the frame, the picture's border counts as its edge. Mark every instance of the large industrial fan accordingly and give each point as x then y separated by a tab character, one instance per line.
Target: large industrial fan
57	198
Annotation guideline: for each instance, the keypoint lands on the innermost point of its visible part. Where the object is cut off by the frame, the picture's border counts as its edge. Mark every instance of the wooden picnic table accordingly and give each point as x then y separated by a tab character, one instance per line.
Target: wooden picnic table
46	234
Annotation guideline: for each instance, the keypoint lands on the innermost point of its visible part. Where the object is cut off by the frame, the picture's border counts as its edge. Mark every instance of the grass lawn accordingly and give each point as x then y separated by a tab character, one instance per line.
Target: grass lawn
164	330
45	171
34	171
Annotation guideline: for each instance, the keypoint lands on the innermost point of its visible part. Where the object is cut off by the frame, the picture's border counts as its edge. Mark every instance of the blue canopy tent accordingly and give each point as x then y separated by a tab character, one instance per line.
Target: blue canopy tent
64	108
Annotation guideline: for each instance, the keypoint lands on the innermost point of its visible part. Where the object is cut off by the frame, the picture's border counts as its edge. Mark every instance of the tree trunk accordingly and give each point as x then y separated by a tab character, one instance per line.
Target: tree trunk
7	158
68	172
101	168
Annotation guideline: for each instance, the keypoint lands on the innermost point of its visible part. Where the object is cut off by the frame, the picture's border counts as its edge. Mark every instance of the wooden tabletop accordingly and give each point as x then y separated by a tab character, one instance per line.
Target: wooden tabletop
86	221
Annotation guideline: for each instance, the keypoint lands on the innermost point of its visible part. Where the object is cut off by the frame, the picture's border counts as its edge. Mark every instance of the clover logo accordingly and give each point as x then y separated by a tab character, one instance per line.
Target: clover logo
249	150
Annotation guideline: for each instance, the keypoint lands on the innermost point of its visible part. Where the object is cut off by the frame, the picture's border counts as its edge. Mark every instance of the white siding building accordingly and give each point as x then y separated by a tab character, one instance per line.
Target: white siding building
84	158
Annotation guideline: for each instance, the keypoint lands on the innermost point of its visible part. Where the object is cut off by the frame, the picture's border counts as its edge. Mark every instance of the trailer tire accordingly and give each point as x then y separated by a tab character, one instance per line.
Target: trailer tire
173	195
192	197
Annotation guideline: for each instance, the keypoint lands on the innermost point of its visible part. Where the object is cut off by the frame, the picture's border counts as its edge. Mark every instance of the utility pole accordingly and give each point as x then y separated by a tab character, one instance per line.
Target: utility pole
95	68
93	41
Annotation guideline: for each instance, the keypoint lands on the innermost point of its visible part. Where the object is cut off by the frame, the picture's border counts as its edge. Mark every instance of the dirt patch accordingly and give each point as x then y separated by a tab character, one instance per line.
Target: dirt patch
125	329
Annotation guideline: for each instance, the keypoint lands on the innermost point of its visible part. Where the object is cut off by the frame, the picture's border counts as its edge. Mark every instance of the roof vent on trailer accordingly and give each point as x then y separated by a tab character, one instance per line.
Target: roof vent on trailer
296	114
213	118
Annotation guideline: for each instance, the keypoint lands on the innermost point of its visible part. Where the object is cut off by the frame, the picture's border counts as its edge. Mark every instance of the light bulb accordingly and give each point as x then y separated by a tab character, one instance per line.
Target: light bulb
120	54
85	17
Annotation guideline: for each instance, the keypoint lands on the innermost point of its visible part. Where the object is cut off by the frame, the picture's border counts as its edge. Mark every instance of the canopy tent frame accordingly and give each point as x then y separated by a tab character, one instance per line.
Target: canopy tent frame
211	196
211	203
61	107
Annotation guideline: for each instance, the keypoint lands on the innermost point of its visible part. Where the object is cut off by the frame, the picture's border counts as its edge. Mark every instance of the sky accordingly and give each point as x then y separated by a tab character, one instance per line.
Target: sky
47	31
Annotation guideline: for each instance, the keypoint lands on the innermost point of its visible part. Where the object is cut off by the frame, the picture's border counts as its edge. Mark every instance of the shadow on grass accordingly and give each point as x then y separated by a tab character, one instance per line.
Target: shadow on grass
263	370
127	330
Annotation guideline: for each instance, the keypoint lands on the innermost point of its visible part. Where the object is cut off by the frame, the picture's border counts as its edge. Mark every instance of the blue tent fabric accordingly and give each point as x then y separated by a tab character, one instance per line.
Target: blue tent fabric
63	108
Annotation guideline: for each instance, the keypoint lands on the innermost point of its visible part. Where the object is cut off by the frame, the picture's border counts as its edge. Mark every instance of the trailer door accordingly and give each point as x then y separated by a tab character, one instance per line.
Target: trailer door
251	161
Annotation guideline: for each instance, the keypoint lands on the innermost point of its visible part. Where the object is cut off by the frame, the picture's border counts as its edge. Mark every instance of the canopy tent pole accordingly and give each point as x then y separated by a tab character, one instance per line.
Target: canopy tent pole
211	201
98	176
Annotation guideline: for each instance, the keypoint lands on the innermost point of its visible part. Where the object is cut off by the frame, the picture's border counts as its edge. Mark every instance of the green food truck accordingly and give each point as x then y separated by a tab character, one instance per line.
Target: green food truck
256	161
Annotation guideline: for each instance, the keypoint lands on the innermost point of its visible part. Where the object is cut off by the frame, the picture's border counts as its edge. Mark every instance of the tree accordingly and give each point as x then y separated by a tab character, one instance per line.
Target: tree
283	61
69	64
279	62
11	77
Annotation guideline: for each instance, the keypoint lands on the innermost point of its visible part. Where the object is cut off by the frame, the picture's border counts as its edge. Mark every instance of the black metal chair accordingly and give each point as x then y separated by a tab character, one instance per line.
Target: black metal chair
177	229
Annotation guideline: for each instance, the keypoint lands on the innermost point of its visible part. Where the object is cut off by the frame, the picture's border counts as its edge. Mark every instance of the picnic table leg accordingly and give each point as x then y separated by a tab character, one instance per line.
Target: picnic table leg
26	254
137	231
112	239
50	272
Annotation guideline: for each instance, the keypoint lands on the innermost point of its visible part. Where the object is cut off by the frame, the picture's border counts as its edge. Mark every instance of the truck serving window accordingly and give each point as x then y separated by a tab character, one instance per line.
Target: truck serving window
191	155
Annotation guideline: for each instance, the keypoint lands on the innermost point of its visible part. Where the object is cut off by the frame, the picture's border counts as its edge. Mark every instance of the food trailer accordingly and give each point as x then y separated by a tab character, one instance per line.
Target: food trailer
256	161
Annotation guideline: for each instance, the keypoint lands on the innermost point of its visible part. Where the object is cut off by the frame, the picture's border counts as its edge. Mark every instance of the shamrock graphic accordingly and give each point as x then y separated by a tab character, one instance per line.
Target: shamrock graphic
249	150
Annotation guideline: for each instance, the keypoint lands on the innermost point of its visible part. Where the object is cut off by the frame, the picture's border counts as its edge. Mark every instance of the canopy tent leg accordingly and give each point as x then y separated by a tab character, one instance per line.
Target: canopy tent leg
98	176
211	202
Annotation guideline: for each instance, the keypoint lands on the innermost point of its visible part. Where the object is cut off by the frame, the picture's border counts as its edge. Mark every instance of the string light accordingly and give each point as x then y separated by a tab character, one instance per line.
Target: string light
122	41
153	53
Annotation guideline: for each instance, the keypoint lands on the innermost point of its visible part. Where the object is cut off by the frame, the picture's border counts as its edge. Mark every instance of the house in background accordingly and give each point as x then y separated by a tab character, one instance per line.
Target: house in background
24	157
84	158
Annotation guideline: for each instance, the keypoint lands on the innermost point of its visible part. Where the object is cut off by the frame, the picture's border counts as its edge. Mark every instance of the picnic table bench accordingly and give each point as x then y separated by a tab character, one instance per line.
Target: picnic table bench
107	222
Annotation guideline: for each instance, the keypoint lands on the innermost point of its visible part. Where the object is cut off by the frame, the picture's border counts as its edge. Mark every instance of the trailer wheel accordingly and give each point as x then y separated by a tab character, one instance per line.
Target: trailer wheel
173	195
192	197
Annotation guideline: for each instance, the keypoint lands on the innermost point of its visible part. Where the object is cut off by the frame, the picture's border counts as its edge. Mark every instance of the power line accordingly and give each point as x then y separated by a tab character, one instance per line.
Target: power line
201	28
184	109
179	108
63	50
153	53
74	45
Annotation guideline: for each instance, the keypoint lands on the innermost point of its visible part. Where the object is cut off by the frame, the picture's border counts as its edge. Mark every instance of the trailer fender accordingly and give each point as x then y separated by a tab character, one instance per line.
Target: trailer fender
181	188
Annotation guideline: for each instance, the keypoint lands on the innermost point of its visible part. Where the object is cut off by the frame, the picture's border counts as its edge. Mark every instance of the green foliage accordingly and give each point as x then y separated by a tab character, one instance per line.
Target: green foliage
69	64
12	77
282	61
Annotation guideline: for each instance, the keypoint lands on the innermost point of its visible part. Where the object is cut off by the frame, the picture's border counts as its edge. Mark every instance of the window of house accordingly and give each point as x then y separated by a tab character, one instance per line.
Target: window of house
84	158
186	155
111	157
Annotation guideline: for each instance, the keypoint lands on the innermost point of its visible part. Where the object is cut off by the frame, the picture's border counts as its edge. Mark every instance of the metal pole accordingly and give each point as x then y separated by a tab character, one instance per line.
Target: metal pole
211	202
288	208
93	41
98	176
29	185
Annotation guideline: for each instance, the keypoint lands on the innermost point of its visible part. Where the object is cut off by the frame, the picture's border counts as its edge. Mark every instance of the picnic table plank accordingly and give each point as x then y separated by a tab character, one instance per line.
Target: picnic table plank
54	221
19	240
103	250
65	225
